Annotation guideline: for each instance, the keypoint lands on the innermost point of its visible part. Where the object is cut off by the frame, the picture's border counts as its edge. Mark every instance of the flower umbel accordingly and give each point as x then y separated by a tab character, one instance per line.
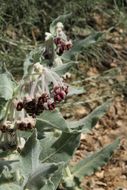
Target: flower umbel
46	90
61	40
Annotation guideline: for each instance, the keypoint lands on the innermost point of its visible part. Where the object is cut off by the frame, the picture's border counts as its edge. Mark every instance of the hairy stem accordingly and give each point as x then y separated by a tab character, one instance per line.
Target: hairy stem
68	173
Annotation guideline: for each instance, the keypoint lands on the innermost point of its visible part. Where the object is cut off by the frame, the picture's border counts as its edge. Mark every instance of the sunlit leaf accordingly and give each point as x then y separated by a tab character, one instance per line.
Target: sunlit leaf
62	69
59	149
87	123
2	105
37	174
29	155
80	45
51	119
6	163
92	163
48	186
10	186
73	90
6	87
40	176
32	57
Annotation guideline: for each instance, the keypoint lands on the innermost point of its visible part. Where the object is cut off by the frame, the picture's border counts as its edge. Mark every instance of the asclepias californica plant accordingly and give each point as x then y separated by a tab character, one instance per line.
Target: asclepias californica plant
36	142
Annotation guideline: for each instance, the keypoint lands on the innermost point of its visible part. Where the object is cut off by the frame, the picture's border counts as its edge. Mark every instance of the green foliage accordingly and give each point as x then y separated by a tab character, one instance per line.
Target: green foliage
2	104
30	155
33	173
51	120
42	157
37	175
10	186
6	87
41	177
6	91
89	165
75	90
62	69
84	125
58	149
80	45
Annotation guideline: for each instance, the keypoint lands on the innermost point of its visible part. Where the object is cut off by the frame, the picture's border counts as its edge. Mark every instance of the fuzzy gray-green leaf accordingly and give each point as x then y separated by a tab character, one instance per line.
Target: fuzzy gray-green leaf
85	124
89	165
60	149
2	105
29	159
73	90
51	119
41	175
10	186
62	69
80	45
6	87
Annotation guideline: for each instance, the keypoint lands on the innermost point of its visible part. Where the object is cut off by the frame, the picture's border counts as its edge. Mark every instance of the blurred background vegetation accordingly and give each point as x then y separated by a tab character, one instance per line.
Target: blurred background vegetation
24	23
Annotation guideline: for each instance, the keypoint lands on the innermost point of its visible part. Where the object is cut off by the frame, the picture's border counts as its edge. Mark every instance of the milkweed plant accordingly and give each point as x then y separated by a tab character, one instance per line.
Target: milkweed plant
36	142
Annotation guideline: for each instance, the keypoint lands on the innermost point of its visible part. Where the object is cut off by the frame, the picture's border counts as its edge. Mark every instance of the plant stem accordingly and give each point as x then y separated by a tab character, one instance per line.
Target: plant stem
1	136
68	172
7	110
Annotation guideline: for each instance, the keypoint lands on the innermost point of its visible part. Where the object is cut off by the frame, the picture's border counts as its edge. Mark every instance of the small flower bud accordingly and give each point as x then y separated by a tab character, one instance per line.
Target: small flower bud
57	98
65	89
19	106
43	98
59	25
38	67
51	106
62	94
21	125
57	41
30	105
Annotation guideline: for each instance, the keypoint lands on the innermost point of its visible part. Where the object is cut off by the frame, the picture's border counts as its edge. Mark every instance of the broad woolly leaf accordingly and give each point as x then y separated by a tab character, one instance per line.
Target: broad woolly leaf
62	69
6	87
80	45
74	90
2	105
7	171
6	163
61	18
41	176
36	174
57	176
60	149
32	57
85	43
84	125
89	165
10	186
51	119
6	175
48	186
54	181
29	159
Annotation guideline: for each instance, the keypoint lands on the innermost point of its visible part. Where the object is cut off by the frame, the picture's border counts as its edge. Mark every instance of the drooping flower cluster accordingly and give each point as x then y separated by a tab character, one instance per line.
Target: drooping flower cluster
61	40
45	92
56	44
26	123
